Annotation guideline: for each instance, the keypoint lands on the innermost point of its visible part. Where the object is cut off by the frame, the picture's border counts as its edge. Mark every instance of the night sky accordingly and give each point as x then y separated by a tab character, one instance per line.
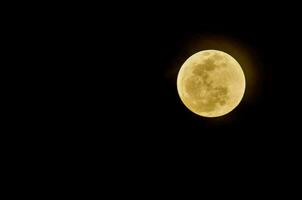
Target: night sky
106	95
119	96
96	102
125	73
124	93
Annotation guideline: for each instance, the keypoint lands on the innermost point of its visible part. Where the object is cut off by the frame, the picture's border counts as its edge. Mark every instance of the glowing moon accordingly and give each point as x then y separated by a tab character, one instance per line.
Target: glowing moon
211	83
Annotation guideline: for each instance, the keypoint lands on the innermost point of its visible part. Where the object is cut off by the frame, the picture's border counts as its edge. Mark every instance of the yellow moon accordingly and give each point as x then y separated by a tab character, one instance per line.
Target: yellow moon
211	83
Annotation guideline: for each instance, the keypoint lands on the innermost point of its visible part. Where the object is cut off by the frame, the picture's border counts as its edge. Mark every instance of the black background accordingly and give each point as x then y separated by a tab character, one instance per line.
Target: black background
117	78
95	97
123	73
121	97
108	95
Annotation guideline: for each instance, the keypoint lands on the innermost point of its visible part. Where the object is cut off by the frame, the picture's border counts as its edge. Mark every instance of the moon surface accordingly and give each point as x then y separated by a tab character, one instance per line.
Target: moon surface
211	83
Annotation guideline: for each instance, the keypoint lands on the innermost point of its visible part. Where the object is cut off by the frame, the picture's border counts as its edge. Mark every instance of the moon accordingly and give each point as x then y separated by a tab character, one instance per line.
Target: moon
211	83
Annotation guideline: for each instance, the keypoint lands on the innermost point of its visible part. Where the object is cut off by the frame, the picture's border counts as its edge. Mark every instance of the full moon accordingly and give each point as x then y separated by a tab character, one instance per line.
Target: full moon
211	83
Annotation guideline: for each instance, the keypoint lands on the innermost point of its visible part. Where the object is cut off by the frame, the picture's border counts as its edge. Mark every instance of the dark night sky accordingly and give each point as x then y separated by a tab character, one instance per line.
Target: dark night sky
114	80
111	98
94	94
127	80
125	104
